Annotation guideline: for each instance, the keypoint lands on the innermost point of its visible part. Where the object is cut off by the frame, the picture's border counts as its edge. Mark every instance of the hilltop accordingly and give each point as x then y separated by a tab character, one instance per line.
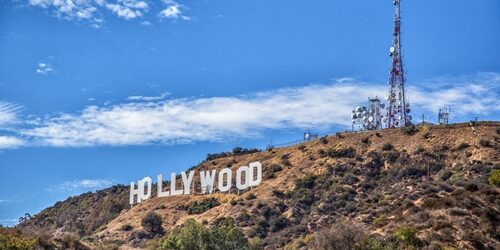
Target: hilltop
416	187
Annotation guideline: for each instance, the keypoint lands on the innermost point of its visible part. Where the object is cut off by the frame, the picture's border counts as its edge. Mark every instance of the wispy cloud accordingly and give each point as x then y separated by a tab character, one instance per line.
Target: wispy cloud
145	120
92	11
81	185
478	94
44	68
8	113
147	98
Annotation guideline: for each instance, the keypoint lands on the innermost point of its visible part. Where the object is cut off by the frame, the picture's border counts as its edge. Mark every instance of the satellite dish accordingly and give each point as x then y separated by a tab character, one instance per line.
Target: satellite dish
409	117
365	120
408	110
382	105
358	108
392	50
353	116
407	105
370	118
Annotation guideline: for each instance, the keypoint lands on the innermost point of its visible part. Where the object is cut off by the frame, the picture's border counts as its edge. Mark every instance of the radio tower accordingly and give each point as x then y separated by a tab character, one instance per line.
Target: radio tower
398	107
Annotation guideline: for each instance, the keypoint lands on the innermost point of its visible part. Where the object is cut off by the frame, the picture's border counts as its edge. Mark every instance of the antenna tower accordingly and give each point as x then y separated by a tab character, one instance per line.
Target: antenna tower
398	107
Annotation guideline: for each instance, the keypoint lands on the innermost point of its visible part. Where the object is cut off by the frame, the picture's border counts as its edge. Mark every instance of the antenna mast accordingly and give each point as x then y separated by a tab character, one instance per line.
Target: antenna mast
398	107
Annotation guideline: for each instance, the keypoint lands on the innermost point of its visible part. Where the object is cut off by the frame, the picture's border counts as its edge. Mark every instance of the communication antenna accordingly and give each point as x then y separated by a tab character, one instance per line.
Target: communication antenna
368	117
444	115
398	107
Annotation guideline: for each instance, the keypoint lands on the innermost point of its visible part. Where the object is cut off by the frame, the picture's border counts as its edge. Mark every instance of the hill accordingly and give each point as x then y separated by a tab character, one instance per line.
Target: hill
418	187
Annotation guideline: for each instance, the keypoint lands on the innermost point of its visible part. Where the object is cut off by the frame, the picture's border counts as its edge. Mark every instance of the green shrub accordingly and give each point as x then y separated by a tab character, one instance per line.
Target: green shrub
152	223
272	170
446	175
410	130
13	240
462	146
339	153
251	196
195	236
199	207
408	235
365	140
485	143
494	178
387	147
307	182
126	227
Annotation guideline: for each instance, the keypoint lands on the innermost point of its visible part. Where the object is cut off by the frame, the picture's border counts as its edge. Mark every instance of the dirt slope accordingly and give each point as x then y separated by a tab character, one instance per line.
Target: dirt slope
432	178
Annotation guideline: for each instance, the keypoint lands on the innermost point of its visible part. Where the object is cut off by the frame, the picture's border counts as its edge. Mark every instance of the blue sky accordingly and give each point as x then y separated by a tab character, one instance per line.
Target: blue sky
94	93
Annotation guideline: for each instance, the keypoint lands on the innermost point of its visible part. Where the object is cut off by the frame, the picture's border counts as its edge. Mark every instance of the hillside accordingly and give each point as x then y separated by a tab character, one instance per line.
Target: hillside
430	183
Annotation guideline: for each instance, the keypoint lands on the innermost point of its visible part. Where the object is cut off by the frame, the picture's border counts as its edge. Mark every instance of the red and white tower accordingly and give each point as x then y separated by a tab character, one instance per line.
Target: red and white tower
398	107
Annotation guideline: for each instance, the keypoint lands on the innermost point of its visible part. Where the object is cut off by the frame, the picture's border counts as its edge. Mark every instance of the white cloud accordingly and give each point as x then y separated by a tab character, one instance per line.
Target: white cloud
173	10
71	9
156	120
92	11
78	185
44	68
478	94
8	113
128	9
9	142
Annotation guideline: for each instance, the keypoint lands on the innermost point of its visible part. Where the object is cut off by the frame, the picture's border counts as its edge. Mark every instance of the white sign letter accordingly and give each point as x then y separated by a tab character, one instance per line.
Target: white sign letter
254	181
227	173
145	181
173	182
207	181
240	185
160	191
134	192
187	180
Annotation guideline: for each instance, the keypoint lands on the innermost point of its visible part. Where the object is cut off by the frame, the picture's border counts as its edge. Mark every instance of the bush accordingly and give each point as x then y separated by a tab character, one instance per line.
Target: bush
446	175
408	235
365	140
199	207
413	171
341	236
338	153
272	170
152	223
387	147
193	235
485	143
471	187
494	178
251	196
462	146
307	182
410	130
12	239
126	227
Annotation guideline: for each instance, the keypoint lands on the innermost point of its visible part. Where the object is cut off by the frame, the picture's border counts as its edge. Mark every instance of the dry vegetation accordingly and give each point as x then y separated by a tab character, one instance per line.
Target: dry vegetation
420	187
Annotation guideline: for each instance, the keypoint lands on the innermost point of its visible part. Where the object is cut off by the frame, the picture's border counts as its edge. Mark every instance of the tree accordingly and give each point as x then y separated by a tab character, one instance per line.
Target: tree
152	223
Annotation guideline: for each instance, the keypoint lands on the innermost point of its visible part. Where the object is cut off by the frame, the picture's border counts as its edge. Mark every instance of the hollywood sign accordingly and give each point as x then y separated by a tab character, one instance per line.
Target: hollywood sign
246	177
